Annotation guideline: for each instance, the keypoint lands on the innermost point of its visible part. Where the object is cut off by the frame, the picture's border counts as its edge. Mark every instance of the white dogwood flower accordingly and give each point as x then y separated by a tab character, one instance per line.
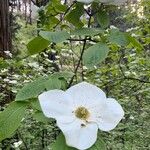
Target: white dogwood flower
107	2
85	1
113	2
80	111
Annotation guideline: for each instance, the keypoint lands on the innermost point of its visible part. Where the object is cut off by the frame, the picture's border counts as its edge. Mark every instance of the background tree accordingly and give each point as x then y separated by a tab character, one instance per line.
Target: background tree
5	35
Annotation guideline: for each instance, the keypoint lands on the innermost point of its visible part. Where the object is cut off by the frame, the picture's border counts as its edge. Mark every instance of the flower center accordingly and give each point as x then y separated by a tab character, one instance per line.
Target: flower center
82	113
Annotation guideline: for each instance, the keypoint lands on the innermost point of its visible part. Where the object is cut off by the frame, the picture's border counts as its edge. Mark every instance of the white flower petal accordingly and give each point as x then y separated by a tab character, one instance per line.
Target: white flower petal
112	115
85	1
78	136
55	104
85	94
113	2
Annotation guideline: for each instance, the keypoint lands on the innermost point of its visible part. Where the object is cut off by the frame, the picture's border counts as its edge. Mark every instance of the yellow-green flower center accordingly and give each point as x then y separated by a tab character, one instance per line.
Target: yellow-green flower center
82	113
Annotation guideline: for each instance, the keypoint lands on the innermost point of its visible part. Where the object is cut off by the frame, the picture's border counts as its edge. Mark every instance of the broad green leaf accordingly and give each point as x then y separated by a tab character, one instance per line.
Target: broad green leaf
63	74
61	143
118	37
64	84
37	45
74	16
103	19
87	31
56	37
35	104
99	145
31	90
49	9
39	116
60	8
53	83
51	22
135	43
95	54
10	119
56	83
57	6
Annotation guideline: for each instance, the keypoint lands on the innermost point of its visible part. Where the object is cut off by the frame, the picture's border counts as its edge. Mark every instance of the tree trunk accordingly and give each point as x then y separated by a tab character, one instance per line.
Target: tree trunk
5	37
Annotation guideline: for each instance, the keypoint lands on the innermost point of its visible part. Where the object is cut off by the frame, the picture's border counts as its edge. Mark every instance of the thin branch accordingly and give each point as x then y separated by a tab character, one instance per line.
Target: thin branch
78	64
33	2
80	59
88	39
43	139
65	14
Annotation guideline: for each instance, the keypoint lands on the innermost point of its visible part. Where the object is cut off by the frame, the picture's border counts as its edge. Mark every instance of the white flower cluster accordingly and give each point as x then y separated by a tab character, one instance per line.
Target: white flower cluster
108	2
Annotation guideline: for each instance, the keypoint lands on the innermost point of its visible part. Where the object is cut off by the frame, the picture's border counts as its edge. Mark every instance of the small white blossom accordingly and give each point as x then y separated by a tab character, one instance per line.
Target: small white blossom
57	57
80	111
13	81
134	35
25	81
6	80
53	51
85	68
131	117
34	64
14	91
8	53
113	27
95	67
4	70
16	76
17	144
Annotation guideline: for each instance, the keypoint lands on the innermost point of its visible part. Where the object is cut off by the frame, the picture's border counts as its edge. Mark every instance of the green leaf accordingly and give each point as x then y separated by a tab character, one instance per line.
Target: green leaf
50	9
60	8
55	37
135	43
56	82
60	142
103	19
31	90
35	104
64	84
99	145
37	45
74	16
10	119
39	116
53	83
56	6
87	31
51	22
118	37
63	74
3	63
95	54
